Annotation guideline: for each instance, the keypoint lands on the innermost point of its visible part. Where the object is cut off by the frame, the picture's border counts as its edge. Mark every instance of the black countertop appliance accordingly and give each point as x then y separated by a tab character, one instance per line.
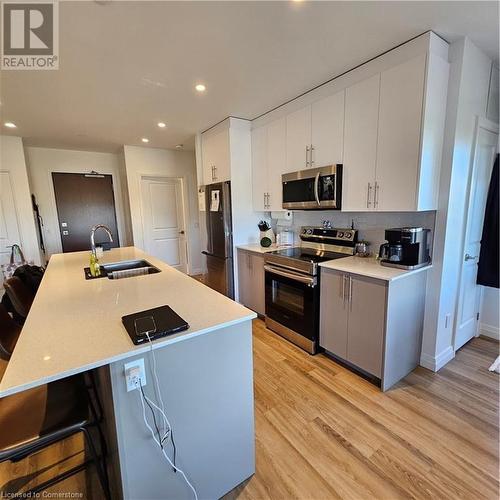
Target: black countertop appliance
406	248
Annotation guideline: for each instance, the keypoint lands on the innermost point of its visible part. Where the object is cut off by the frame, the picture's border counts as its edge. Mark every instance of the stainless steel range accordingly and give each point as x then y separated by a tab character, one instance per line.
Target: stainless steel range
292	282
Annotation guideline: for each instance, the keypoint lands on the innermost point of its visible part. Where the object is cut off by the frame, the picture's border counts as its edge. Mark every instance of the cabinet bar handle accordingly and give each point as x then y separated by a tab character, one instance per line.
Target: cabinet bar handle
375	198
268	200
311	155
344	278
307	156
350	293
368	196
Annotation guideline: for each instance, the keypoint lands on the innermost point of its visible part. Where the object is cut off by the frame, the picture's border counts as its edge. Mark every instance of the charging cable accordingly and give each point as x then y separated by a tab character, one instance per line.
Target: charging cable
166	423
158	391
181	472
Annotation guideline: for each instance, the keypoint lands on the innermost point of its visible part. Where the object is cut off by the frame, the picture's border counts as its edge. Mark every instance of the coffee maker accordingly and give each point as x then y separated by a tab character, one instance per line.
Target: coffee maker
406	248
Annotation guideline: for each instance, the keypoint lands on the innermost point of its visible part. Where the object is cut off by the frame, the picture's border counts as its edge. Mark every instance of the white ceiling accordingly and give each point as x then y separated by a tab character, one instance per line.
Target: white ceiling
124	66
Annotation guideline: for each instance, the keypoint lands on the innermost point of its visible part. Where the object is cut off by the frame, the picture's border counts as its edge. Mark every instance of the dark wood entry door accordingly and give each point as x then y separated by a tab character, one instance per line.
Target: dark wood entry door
84	200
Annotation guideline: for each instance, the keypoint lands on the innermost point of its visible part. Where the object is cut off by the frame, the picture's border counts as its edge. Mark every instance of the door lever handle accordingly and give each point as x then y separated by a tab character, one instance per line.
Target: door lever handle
470	257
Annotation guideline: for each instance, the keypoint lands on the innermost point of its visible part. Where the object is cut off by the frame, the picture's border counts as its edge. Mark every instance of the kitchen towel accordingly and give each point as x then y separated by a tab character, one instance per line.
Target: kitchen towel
488	266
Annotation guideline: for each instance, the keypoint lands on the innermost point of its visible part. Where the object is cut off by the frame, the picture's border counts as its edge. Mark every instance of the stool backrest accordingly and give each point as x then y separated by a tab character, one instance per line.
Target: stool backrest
20	295
9	333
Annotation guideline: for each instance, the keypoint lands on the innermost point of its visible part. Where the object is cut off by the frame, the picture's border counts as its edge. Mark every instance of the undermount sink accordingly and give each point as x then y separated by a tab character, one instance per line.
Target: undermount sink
123	269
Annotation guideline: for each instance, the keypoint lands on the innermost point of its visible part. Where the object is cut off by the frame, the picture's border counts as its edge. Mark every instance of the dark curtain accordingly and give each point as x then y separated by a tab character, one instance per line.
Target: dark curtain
488	271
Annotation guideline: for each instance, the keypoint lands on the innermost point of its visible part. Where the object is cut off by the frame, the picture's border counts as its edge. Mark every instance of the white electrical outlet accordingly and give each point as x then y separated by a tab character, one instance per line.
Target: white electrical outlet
135	371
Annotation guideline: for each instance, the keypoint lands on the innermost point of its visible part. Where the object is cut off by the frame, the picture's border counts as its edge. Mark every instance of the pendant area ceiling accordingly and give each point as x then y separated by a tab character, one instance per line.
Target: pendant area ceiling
125	66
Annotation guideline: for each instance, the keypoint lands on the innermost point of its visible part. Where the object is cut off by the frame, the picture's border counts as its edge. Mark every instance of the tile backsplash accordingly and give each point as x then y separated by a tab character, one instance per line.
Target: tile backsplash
370	225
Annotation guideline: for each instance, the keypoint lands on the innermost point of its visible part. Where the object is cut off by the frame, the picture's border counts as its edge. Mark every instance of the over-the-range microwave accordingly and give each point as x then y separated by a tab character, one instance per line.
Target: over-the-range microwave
313	189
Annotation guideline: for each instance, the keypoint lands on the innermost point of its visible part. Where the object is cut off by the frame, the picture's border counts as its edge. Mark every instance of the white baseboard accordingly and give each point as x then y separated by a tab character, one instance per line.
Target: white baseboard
489	331
435	363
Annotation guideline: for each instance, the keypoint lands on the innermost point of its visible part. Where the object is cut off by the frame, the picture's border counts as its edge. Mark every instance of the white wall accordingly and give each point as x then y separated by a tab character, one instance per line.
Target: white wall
43	161
467	99
140	162
12	160
489	316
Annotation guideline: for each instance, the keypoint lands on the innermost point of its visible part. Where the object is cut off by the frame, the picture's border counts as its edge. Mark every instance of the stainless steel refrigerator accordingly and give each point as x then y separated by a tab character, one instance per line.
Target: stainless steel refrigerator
219	251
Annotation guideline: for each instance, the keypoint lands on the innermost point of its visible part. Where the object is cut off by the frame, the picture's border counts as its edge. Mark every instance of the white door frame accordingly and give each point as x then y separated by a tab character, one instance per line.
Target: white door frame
16	211
185	210
485	124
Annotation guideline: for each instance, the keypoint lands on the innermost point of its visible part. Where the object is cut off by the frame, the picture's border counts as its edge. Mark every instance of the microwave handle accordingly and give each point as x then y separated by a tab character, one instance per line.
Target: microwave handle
316	189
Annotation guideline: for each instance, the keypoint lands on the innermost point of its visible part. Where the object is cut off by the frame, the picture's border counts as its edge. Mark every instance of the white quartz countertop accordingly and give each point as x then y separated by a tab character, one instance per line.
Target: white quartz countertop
371	267
75	324
255	247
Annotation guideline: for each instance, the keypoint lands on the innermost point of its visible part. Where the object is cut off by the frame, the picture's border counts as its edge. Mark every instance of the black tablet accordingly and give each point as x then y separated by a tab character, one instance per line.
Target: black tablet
155	323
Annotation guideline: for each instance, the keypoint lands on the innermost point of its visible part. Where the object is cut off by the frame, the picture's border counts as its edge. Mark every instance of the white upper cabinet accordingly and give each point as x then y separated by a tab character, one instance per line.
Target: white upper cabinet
298	139
259	169
385	127
327	130
215	155
276	162
268	164
398	150
394	126
360	145
314	134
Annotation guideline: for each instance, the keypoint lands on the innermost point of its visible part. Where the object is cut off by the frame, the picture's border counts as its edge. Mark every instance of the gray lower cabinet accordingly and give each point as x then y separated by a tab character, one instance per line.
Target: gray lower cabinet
375	325
365	338
334	312
352	320
251	280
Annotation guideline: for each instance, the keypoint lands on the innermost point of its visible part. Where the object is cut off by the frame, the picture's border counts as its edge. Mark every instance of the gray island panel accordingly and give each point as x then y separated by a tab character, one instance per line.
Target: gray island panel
207	388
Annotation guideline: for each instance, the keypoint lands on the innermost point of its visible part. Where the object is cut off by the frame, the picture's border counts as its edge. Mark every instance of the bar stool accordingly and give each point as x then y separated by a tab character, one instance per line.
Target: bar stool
37	418
20	295
9	333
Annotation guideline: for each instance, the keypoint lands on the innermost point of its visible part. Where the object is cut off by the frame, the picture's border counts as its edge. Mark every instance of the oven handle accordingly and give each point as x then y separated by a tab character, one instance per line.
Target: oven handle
308	280
316	189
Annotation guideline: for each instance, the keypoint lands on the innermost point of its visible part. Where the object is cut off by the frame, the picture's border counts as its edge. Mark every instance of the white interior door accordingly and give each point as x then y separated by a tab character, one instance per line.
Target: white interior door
466	325
163	220
9	226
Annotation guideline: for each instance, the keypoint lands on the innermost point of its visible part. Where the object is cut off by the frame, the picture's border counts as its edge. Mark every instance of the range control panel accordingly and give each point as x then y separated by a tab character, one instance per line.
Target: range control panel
328	235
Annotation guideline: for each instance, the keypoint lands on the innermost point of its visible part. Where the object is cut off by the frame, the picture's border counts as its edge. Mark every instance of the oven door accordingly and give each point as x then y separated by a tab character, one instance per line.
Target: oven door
292	300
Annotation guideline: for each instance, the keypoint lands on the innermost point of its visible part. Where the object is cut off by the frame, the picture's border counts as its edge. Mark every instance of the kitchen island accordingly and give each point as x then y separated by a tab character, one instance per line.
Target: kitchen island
205	372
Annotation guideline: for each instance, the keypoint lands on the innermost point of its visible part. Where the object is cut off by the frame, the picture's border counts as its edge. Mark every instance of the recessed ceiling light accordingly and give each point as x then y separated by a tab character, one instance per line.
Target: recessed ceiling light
162	125
200	87
145	139
10	125
179	146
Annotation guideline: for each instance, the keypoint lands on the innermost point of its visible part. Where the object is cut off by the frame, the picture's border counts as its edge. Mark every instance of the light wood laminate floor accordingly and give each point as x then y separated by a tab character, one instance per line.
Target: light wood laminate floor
322	432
